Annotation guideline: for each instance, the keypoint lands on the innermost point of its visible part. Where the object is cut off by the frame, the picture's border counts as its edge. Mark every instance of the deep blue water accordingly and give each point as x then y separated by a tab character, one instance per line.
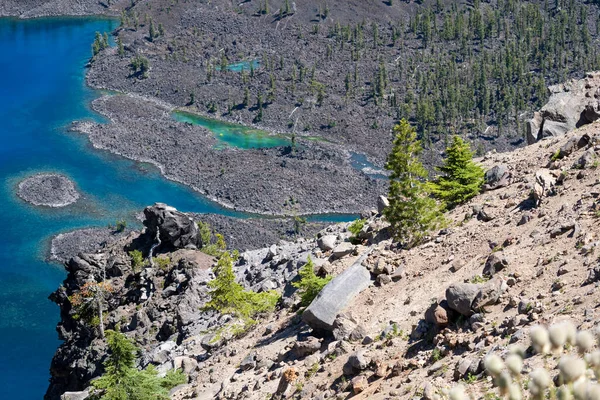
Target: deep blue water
42	90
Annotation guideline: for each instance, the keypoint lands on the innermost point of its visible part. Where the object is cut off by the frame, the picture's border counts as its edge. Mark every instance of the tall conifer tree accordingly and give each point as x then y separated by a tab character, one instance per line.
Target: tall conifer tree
412	212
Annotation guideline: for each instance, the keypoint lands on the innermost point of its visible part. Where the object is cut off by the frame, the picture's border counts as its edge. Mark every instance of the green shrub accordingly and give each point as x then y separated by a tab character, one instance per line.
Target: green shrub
309	285
229	297
211	245
162	262
137	260
120	226
357	226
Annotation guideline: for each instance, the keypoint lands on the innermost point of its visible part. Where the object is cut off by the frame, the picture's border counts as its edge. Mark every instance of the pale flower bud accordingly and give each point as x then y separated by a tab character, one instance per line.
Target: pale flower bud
585	341
457	393
558	335
504	381
514	363
535	390
514	392
539	339
571	368
571	332
493	365
563	393
541	378
593	392
593	358
580	389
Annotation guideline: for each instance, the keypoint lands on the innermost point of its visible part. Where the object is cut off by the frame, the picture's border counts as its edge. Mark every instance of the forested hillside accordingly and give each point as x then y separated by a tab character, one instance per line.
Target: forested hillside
346	71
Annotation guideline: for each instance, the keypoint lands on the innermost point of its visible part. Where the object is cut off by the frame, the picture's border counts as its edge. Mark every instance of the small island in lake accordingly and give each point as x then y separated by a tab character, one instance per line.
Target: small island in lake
50	190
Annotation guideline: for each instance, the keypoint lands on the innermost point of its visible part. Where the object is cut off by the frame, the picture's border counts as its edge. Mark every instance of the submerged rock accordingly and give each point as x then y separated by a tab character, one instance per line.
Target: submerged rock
50	190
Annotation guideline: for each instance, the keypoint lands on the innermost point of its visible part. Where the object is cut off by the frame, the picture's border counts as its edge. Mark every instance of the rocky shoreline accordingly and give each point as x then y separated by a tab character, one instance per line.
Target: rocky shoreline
239	234
49	190
55	8
314	178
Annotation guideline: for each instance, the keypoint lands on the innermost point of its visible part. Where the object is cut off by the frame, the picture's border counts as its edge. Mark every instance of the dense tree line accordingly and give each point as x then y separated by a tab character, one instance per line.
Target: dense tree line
462	67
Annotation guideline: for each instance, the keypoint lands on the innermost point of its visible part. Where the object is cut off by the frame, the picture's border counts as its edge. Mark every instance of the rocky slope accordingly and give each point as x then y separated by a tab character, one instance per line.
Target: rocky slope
420	321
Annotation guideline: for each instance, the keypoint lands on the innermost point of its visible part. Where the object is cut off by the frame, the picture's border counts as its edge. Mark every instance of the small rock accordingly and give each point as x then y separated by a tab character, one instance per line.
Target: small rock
384	279
357	362
306	347
248	362
343	249
359	384
327	242
495	262
457	265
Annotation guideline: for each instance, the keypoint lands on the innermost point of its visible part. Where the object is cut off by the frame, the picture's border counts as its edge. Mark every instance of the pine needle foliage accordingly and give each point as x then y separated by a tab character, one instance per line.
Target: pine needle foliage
461	179
229	297
309	285
122	381
412	212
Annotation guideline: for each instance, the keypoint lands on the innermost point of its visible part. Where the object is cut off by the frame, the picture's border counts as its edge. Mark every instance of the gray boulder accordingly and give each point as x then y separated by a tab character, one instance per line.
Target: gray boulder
176	229
75	395
249	362
460	297
570	106
488	294
586	160
357	362
534	126
343	249
327	242
336	295
467	297
496	177
307	347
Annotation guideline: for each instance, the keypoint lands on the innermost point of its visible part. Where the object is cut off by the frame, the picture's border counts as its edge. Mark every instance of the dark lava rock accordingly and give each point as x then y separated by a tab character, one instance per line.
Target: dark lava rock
50	190
177	230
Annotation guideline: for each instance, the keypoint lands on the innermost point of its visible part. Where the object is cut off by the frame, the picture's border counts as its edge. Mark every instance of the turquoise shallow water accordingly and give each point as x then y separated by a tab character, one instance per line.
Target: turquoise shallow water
41	91
234	135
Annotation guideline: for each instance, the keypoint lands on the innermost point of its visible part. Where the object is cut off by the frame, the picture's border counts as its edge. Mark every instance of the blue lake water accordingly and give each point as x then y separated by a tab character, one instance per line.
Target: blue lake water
42	89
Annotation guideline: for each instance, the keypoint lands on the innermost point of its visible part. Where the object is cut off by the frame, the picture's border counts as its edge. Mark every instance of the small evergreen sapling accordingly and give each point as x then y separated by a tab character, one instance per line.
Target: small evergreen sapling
461	179
309	285
412	212
229	297
122	381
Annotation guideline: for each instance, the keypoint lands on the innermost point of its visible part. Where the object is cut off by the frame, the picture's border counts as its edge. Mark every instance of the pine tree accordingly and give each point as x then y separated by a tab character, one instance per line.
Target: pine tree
121	47
462	178
412	212
122	381
229	297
